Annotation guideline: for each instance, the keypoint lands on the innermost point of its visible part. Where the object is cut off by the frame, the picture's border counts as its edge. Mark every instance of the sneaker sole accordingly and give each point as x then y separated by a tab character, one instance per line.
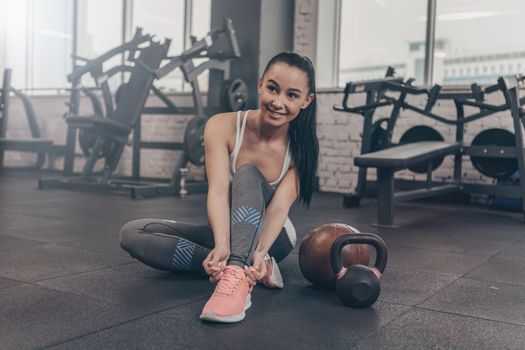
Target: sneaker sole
211	317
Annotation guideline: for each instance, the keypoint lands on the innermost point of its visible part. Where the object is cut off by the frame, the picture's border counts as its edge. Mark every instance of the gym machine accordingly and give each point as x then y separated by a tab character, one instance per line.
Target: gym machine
94	128
105	136
496	153
35	143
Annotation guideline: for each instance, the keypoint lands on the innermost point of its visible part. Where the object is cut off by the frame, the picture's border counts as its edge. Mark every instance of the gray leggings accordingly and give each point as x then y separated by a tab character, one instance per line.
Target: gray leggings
179	246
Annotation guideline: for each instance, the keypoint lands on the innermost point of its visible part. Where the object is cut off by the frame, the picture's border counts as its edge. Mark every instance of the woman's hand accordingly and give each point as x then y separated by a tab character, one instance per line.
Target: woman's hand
257	271
215	262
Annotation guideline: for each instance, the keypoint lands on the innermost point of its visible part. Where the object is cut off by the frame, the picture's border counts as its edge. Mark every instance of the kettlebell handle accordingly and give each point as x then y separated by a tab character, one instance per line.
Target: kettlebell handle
359	238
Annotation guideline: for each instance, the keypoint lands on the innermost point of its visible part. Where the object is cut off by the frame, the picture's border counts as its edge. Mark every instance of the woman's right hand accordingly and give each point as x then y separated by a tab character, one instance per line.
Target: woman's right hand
215	262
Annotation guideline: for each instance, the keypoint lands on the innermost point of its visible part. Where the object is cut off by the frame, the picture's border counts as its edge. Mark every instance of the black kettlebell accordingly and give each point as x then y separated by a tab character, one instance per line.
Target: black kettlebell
358	285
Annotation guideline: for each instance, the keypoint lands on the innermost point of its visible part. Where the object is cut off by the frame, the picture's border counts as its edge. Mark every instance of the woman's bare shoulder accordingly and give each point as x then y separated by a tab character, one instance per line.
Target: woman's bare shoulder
222	121
221	127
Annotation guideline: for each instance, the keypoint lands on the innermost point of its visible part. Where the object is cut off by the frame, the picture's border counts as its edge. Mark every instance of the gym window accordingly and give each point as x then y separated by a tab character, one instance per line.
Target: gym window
375	34
38	37
35	41
481	32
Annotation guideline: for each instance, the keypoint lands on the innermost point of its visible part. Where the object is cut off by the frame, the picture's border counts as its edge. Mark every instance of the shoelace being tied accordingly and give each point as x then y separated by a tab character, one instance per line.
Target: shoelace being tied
228	281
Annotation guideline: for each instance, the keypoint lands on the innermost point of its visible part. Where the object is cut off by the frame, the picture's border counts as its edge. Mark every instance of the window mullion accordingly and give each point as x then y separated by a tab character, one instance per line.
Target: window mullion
430	42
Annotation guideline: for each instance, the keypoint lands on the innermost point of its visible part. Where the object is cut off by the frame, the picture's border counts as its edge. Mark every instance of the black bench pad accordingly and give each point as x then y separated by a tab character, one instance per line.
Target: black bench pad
404	156
29	144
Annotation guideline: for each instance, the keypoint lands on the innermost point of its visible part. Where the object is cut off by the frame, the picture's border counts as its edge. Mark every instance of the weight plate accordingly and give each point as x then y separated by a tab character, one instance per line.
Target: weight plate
379	136
194	140
234	95
422	133
498	168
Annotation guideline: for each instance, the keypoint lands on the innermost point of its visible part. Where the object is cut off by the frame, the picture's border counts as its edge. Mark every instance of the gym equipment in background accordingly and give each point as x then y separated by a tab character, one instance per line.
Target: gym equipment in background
372	135
498	168
421	133
98	136
358	285
36	143
234	97
431	149
234	94
111	131
377	135
314	254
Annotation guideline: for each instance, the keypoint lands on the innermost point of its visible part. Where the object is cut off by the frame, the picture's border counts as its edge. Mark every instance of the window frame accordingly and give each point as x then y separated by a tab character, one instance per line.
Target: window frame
126	33
333	55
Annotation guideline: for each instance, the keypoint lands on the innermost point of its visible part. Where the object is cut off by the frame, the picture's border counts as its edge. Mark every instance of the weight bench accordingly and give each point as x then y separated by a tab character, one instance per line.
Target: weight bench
400	157
36	143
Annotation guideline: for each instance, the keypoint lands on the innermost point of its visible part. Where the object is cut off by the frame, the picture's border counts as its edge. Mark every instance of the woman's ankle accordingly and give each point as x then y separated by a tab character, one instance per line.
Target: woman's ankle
235	266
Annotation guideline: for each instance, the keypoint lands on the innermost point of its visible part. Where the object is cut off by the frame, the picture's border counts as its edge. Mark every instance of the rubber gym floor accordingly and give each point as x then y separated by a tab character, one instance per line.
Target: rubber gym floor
455	279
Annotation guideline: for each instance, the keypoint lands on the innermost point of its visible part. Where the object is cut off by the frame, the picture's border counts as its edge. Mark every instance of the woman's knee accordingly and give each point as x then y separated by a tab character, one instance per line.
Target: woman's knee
247	169
247	175
130	231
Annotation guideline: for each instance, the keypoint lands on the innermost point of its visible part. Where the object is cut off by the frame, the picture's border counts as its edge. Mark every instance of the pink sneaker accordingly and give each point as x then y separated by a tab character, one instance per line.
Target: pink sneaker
273	278
231	297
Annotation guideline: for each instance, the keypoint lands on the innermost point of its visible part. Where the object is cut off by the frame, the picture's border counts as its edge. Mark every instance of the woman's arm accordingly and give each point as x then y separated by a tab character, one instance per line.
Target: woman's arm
216	135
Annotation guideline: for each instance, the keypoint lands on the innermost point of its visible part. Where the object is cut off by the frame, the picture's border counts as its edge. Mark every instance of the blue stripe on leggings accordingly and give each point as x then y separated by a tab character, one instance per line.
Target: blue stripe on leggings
246	214
183	254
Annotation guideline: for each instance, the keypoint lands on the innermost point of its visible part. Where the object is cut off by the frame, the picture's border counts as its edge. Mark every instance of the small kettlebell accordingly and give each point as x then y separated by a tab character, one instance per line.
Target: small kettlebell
358	285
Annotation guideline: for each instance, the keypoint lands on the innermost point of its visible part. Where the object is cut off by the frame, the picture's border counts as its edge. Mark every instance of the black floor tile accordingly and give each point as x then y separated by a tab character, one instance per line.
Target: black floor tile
14	243
32	317
432	261
54	231
411	287
7	283
271	323
444	243
140	289
501	270
457	221
515	252
488	300
50	261
24	221
423	329
108	244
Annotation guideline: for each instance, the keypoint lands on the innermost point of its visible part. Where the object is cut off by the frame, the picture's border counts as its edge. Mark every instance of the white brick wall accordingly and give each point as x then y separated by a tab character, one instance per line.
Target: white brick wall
305	27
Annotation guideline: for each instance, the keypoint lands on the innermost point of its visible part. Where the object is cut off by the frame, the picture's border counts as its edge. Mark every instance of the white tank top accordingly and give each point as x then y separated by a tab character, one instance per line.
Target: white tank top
239	133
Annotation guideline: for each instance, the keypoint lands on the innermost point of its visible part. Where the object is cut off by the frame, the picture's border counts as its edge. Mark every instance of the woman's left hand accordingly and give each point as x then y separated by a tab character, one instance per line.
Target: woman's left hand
257	271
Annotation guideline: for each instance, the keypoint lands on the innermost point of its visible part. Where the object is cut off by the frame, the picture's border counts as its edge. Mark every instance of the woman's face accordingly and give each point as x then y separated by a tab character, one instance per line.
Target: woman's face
283	92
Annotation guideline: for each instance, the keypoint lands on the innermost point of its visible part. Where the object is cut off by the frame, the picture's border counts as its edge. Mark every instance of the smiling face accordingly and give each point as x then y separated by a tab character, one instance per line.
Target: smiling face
283	92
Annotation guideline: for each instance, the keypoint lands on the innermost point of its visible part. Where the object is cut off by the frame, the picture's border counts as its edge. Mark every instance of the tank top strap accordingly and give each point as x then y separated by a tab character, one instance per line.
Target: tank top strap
237	128
239	133
243	127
